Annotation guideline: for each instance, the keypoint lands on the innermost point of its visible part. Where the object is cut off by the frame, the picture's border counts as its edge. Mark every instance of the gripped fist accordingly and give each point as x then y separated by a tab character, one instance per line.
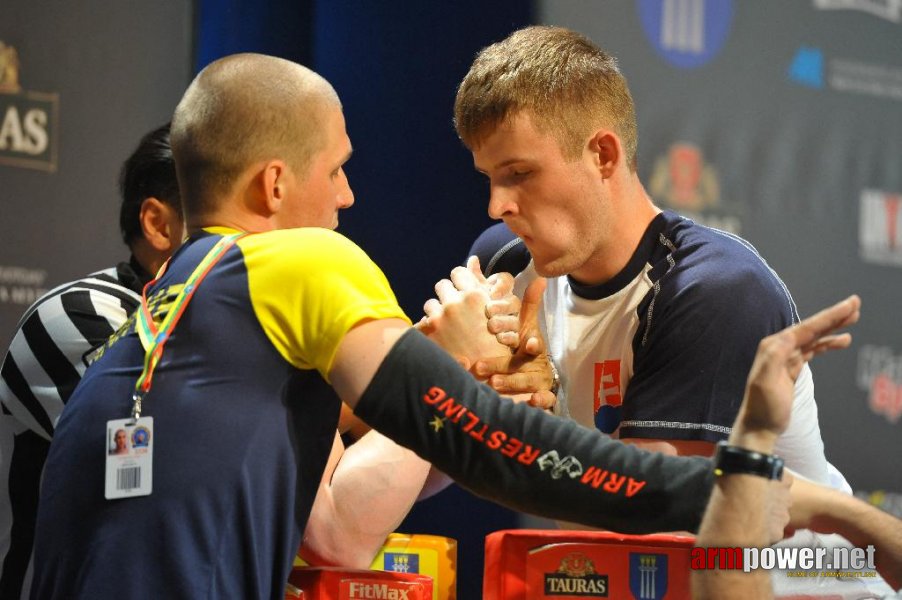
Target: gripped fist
528	370
456	320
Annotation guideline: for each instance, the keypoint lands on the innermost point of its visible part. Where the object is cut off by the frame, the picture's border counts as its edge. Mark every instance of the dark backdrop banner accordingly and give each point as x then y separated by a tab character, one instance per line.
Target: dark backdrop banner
80	83
782	121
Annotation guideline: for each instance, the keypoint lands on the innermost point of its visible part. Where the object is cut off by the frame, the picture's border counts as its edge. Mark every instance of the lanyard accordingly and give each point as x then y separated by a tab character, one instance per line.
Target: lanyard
154	339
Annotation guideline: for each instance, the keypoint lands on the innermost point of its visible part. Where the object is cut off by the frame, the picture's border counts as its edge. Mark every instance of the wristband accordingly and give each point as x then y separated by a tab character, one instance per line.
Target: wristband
736	460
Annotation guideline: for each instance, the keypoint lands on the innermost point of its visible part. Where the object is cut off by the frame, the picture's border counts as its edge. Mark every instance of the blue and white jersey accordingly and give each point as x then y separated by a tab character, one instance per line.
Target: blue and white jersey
663	349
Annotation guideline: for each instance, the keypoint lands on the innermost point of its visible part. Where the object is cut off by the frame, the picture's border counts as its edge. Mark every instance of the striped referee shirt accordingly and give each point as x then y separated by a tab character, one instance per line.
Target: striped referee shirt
45	361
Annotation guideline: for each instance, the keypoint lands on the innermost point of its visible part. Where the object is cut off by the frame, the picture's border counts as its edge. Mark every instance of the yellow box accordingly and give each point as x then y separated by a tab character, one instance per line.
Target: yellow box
431	555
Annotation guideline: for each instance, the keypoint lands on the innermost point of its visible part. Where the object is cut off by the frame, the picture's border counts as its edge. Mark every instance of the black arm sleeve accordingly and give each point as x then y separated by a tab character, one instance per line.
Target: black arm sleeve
522	457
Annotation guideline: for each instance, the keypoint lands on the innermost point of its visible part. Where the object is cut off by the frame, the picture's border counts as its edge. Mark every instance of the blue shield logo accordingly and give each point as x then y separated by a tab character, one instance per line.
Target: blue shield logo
401	563
686	33
648	576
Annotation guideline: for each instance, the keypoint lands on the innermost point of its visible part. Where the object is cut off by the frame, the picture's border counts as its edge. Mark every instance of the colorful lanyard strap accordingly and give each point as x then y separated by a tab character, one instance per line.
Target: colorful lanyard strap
154	339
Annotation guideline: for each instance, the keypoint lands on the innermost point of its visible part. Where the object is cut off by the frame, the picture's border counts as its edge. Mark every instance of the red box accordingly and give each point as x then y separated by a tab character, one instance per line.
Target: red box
335	583
531	564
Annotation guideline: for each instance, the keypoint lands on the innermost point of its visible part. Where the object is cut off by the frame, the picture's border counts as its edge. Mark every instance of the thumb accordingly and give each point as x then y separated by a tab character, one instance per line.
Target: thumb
532	301
474	267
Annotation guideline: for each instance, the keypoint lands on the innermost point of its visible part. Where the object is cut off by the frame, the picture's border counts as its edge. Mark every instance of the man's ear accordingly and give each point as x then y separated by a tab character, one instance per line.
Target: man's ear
160	224
605	146
274	179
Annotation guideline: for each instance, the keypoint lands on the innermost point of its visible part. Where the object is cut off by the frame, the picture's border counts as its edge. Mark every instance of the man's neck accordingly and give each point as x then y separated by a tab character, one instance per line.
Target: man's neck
239	222
628	223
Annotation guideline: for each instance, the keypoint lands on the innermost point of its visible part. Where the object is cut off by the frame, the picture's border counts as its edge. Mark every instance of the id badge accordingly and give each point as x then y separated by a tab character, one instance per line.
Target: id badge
129	458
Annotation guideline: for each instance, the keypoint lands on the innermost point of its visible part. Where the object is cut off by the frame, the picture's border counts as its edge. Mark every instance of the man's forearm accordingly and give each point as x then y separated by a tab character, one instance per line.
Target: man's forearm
524	458
370	492
863	525
736	517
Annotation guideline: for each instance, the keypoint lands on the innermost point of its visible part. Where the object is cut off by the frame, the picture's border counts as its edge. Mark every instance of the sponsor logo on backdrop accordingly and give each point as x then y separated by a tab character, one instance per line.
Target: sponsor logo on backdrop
891	10
880	375
29	119
21	286
576	576
402	563
880	227
648	576
809	67
683	181
686	33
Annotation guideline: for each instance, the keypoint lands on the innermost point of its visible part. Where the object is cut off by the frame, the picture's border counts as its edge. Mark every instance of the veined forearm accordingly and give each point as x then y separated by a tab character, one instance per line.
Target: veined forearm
371	491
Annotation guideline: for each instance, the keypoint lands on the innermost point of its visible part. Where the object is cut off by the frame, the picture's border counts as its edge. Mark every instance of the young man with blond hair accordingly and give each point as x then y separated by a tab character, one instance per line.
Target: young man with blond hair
652	320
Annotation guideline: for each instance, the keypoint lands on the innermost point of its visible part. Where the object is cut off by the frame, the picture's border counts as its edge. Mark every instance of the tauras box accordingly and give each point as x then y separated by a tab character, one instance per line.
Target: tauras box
538	564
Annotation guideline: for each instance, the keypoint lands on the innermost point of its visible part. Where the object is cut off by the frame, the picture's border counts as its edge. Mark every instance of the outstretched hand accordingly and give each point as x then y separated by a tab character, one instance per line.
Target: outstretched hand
767	406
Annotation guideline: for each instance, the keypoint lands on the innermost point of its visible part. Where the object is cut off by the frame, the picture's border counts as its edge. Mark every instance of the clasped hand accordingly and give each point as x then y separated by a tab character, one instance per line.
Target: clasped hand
506	347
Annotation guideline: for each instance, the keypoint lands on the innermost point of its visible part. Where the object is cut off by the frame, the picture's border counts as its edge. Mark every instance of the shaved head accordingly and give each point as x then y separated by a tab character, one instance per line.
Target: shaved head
241	110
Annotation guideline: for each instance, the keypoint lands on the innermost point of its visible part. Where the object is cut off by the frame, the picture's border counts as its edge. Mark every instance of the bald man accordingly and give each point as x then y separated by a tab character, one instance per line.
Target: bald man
234	365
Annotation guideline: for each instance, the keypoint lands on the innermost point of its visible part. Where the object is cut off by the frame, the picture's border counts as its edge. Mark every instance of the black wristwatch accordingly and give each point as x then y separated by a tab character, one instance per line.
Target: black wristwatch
734	459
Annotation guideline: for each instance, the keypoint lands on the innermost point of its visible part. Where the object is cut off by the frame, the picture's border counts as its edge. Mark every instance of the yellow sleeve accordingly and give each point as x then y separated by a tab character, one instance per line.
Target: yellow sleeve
309	287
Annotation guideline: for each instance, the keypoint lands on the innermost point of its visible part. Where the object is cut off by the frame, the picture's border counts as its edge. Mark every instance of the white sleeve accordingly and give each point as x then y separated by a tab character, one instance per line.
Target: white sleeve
801	445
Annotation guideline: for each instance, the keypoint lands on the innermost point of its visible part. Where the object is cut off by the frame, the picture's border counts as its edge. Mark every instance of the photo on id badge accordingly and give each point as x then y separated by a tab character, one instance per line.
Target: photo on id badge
129	461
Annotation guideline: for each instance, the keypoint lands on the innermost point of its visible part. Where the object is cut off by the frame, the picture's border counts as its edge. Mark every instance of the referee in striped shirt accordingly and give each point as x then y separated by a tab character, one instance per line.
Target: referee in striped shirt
47	356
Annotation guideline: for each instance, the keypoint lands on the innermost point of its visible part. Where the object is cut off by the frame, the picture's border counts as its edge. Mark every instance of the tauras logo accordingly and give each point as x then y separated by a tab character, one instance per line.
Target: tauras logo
28	120
591	585
576	576
376	590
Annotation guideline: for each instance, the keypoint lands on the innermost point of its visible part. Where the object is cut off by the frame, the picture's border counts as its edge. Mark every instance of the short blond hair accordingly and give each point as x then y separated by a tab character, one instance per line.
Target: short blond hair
568	85
243	109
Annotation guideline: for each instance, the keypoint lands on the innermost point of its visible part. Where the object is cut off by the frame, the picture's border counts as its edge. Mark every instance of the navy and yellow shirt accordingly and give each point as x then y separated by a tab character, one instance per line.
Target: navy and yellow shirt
243	422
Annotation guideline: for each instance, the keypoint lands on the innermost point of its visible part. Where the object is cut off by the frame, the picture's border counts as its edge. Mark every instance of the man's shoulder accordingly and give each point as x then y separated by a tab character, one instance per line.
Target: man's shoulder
716	260
291	244
500	251
311	256
714	248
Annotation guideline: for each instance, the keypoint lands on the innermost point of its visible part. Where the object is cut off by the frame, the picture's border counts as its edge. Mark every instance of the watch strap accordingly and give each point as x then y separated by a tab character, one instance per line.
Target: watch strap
737	460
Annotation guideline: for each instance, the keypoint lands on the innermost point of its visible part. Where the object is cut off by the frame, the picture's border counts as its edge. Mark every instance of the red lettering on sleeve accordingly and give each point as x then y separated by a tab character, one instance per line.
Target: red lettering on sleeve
496	439
633	487
474	421
594	476
512	447
434	395
480	435
451	409
529	455
615	483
